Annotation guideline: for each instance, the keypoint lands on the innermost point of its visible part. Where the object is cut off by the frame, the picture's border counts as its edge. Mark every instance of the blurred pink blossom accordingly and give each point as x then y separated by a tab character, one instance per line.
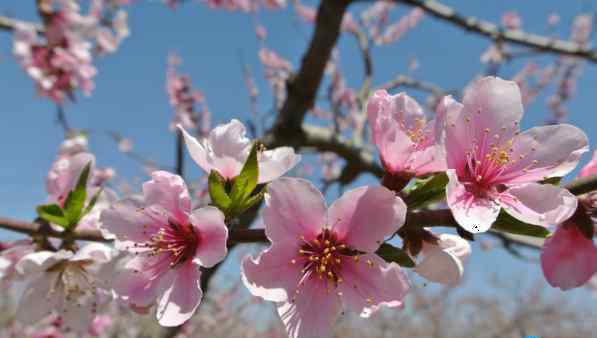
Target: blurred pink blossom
511	20
395	31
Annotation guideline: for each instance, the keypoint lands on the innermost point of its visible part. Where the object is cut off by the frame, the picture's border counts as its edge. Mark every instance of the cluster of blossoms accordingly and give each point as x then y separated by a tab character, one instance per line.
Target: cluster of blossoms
321	259
184	100
59	55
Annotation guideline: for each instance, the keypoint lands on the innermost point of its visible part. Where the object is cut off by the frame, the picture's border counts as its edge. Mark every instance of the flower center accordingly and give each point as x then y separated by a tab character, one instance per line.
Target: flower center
178	240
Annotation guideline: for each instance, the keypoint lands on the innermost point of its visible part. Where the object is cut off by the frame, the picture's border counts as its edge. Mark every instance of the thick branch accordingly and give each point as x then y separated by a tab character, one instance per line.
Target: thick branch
302	87
474	25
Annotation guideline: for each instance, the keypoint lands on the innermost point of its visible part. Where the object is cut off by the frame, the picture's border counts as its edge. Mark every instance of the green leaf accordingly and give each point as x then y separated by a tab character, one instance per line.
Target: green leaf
426	191
509	224
92	202
390	253
246	181
250	202
75	201
53	214
217	191
552	181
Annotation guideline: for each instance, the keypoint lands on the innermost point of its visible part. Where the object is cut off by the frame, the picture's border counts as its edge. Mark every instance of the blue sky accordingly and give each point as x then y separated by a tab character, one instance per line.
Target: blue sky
130	97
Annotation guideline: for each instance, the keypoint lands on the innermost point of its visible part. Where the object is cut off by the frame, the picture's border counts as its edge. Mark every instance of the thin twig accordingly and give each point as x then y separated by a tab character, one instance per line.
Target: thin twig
485	28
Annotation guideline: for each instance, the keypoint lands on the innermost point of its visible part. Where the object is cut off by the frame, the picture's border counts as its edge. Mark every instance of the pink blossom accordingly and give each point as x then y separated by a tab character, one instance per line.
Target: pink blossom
376	18
590	168
10	255
492	165
395	31
73	145
183	98
581	29
443	262
260	32
553	19
309	14
64	174
226	149
100	324
63	283
321	260
170	242
48	332
511	20
568	258
405	139
493	54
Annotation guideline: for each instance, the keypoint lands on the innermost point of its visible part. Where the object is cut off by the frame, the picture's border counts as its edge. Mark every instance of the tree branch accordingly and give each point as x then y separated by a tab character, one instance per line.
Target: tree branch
9	24
485	28
302	87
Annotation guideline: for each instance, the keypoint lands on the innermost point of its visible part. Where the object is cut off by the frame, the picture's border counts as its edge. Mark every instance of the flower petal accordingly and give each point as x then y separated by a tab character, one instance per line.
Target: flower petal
180	300
129	222
136	285
196	150
474	214
370	283
276	162
64	175
213	234
568	258
41	261
454	131
97	252
293	208
312	314
271	275
170	192
444	263
37	302
228	148
365	216
546	151
541	204
495	105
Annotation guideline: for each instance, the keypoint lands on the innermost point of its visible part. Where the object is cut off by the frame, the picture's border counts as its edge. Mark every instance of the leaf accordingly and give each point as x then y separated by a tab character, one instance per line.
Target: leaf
75	201
217	191
426	190
53	214
390	254
246	181
552	181
92	202
509	224
250	202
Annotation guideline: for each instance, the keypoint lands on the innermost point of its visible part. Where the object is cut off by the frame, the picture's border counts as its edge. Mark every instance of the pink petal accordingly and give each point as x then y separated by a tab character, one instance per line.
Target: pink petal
370	283
96	252
276	162
180	300
293	208
365	216
495	104
546	151
444	263
170	192
137	286
37	302
541	204
213	234
271	275
474	214
40	261
590	168
229	148
313	313
568	258
455	132
64	175
196	150
128	221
